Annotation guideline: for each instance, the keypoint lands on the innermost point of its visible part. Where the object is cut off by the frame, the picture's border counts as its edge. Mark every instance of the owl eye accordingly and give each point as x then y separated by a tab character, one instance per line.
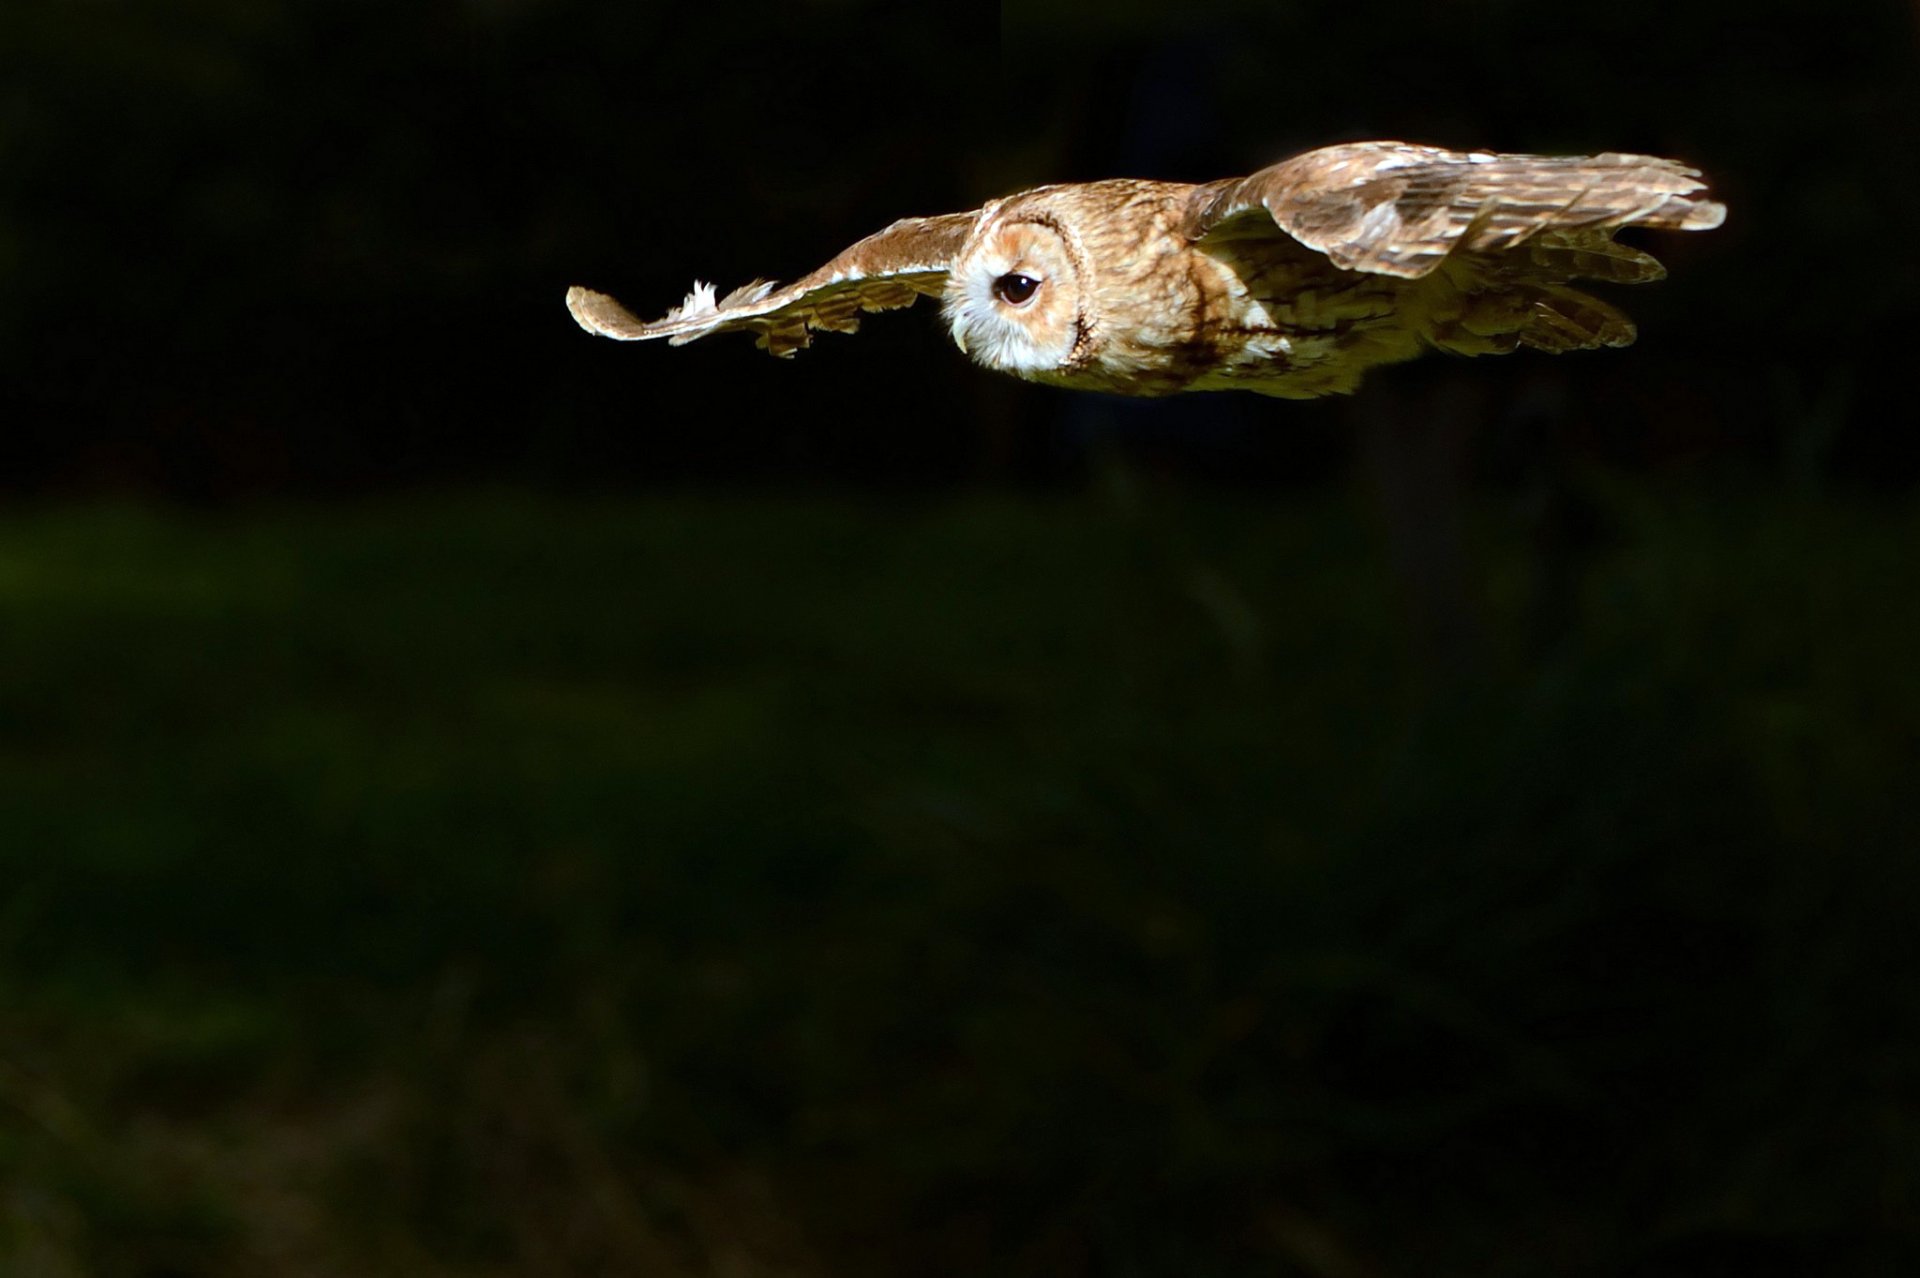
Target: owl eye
1015	289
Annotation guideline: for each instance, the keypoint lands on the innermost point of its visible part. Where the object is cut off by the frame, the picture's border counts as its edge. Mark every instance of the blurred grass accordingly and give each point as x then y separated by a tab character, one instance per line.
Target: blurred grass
488	885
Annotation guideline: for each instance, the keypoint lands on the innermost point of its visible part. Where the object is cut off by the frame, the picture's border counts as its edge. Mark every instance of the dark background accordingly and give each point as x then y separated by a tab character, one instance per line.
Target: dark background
314	247
476	799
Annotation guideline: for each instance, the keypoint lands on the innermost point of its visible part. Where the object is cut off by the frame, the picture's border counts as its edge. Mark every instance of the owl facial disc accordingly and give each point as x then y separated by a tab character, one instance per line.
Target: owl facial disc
1012	300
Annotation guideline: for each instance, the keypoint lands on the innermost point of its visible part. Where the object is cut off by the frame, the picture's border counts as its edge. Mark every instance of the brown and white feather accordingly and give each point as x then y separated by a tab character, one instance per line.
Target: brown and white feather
888	269
1292	281
1390	208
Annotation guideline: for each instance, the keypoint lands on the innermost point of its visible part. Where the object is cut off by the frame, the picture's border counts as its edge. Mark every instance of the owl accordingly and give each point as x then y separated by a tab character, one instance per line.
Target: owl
1292	282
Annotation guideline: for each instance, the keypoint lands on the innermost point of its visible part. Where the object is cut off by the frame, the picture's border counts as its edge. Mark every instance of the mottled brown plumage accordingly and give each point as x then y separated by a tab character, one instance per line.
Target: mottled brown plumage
1291	282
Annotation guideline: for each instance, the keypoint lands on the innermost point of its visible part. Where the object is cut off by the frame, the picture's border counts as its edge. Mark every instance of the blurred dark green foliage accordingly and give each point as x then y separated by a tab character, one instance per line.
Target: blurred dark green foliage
486	885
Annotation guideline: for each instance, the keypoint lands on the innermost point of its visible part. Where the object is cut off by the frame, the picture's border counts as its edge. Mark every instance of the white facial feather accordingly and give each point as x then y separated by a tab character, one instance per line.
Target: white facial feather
989	331
1026	339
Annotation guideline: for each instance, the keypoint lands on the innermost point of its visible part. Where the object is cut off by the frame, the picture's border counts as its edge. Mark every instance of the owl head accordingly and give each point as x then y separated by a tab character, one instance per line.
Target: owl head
1016	298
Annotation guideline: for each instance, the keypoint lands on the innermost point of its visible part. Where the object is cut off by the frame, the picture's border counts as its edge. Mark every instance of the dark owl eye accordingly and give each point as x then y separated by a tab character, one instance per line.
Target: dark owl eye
1014	289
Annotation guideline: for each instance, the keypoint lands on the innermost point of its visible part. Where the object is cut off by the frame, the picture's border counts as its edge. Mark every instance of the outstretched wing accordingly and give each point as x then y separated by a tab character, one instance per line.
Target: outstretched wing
888	269
1391	208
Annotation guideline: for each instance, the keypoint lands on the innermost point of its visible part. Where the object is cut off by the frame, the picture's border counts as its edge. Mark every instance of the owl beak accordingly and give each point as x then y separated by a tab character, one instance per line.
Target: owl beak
960	340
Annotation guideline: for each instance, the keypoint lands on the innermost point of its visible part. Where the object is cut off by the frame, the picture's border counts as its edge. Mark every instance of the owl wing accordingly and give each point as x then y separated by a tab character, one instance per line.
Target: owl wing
887	270
1391	208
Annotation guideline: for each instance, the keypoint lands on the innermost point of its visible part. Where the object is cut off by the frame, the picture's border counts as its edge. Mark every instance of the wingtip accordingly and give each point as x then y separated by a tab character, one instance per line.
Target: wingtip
579	299
1705	215
602	315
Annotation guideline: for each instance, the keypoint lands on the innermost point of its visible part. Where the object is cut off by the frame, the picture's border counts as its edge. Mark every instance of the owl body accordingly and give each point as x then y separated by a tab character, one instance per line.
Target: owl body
1259	313
1292	282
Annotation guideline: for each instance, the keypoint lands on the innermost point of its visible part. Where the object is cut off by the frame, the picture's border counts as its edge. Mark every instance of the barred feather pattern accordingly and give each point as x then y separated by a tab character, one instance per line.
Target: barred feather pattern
1389	208
887	270
1292	281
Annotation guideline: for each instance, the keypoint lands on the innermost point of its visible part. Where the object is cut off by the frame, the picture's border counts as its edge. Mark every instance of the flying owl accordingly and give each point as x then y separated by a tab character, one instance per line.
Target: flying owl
1292	282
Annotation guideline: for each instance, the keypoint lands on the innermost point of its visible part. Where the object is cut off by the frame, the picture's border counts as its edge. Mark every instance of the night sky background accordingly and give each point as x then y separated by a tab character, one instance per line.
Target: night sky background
477	799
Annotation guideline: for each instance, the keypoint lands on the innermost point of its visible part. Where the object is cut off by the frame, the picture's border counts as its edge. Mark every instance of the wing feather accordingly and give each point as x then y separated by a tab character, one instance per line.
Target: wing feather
1391	208
884	271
